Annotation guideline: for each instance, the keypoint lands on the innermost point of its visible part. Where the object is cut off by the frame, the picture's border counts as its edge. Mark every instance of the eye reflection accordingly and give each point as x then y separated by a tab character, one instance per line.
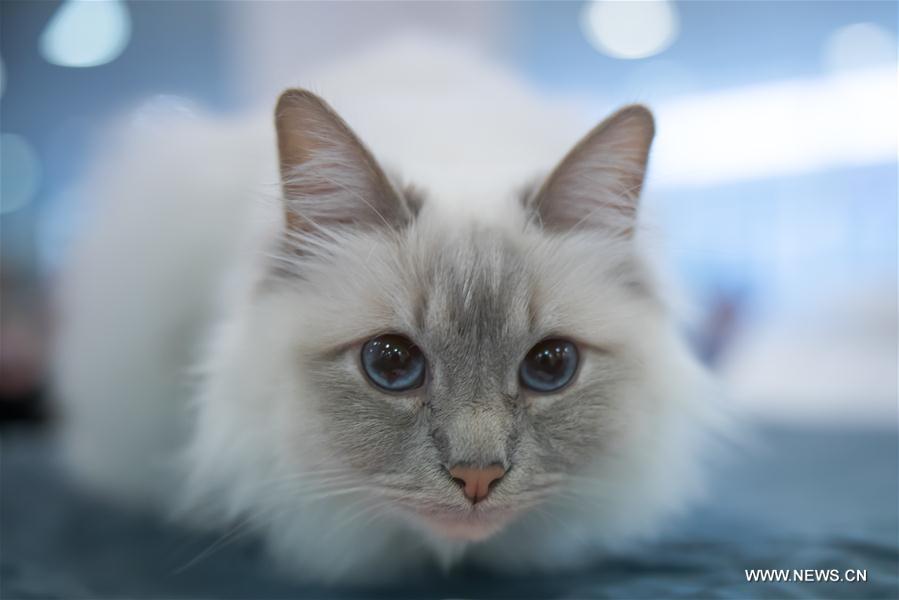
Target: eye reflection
393	363
549	366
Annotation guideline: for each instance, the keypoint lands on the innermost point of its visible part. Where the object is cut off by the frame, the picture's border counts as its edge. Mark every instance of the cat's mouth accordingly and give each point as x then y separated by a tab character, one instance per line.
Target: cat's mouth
473	525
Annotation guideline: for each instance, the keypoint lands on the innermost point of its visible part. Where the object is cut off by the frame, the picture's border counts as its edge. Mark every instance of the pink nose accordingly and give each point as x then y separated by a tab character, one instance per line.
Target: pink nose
476	482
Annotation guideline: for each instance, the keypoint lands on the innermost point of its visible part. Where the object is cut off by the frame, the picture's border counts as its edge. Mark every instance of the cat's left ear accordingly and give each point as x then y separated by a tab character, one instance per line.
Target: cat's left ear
328	177
597	185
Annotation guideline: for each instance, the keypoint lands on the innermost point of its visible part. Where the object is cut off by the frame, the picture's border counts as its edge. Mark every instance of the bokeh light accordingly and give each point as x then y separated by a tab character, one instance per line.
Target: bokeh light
84	33
860	46
630	29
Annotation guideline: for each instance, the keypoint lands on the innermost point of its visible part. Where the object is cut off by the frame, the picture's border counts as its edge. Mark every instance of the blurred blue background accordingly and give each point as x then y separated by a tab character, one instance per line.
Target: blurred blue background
774	178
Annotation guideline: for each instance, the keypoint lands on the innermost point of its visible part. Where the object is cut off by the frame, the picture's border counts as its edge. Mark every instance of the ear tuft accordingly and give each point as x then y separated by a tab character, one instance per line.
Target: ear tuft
597	185
328	177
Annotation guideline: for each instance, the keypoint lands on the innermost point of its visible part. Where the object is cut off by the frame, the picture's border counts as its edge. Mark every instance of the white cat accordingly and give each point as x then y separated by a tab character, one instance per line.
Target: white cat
374	376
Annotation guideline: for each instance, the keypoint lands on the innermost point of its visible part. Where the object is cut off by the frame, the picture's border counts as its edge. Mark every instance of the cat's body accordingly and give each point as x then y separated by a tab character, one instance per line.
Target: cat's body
209	359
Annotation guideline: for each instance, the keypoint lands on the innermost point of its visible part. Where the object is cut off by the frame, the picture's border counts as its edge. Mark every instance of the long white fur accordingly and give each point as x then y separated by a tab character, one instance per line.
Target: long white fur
161	285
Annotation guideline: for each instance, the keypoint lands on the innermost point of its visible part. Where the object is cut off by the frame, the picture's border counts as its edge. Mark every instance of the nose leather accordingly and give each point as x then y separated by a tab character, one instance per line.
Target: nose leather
475	482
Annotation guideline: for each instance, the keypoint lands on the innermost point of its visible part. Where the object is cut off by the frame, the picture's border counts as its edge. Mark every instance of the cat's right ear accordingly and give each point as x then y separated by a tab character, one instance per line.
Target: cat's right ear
328	177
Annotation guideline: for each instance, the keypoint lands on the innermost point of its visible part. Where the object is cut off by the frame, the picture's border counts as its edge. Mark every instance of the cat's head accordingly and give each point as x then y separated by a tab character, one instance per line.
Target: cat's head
455	373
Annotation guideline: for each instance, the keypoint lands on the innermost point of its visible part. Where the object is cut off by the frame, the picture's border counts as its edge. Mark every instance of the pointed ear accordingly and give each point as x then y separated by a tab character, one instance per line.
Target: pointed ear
328	177
597	185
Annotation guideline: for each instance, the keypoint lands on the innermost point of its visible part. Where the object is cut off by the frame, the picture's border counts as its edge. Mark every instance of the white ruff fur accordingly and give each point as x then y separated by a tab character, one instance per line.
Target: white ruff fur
179	381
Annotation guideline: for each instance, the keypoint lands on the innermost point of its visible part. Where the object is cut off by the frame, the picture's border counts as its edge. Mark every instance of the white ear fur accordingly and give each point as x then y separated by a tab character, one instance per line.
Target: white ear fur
597	184
328	177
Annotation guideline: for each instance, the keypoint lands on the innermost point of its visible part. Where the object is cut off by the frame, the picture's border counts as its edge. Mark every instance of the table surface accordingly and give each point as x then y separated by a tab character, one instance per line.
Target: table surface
821	499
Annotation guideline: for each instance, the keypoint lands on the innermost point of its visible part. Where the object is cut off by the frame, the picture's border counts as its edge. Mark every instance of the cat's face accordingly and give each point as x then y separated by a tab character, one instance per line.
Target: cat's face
461	374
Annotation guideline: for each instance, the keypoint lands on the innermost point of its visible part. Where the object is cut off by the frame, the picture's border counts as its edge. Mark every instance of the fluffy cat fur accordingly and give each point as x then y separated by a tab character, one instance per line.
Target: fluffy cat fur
214	309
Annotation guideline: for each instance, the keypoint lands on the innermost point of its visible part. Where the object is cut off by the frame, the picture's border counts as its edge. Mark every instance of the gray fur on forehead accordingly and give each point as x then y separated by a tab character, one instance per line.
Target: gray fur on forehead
474	285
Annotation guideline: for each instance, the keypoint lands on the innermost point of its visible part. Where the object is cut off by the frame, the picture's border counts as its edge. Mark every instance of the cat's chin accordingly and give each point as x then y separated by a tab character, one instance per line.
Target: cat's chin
470	527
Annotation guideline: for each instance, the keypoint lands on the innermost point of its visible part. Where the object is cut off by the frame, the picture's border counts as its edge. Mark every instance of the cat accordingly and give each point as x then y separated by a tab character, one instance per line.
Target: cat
359	371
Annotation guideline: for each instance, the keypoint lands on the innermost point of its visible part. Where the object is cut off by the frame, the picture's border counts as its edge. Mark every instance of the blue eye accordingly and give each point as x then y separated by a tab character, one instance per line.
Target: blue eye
393	363
549	365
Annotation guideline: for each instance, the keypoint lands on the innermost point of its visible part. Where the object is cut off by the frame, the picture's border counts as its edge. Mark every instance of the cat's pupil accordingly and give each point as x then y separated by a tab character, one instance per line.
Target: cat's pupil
393	362
549	365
